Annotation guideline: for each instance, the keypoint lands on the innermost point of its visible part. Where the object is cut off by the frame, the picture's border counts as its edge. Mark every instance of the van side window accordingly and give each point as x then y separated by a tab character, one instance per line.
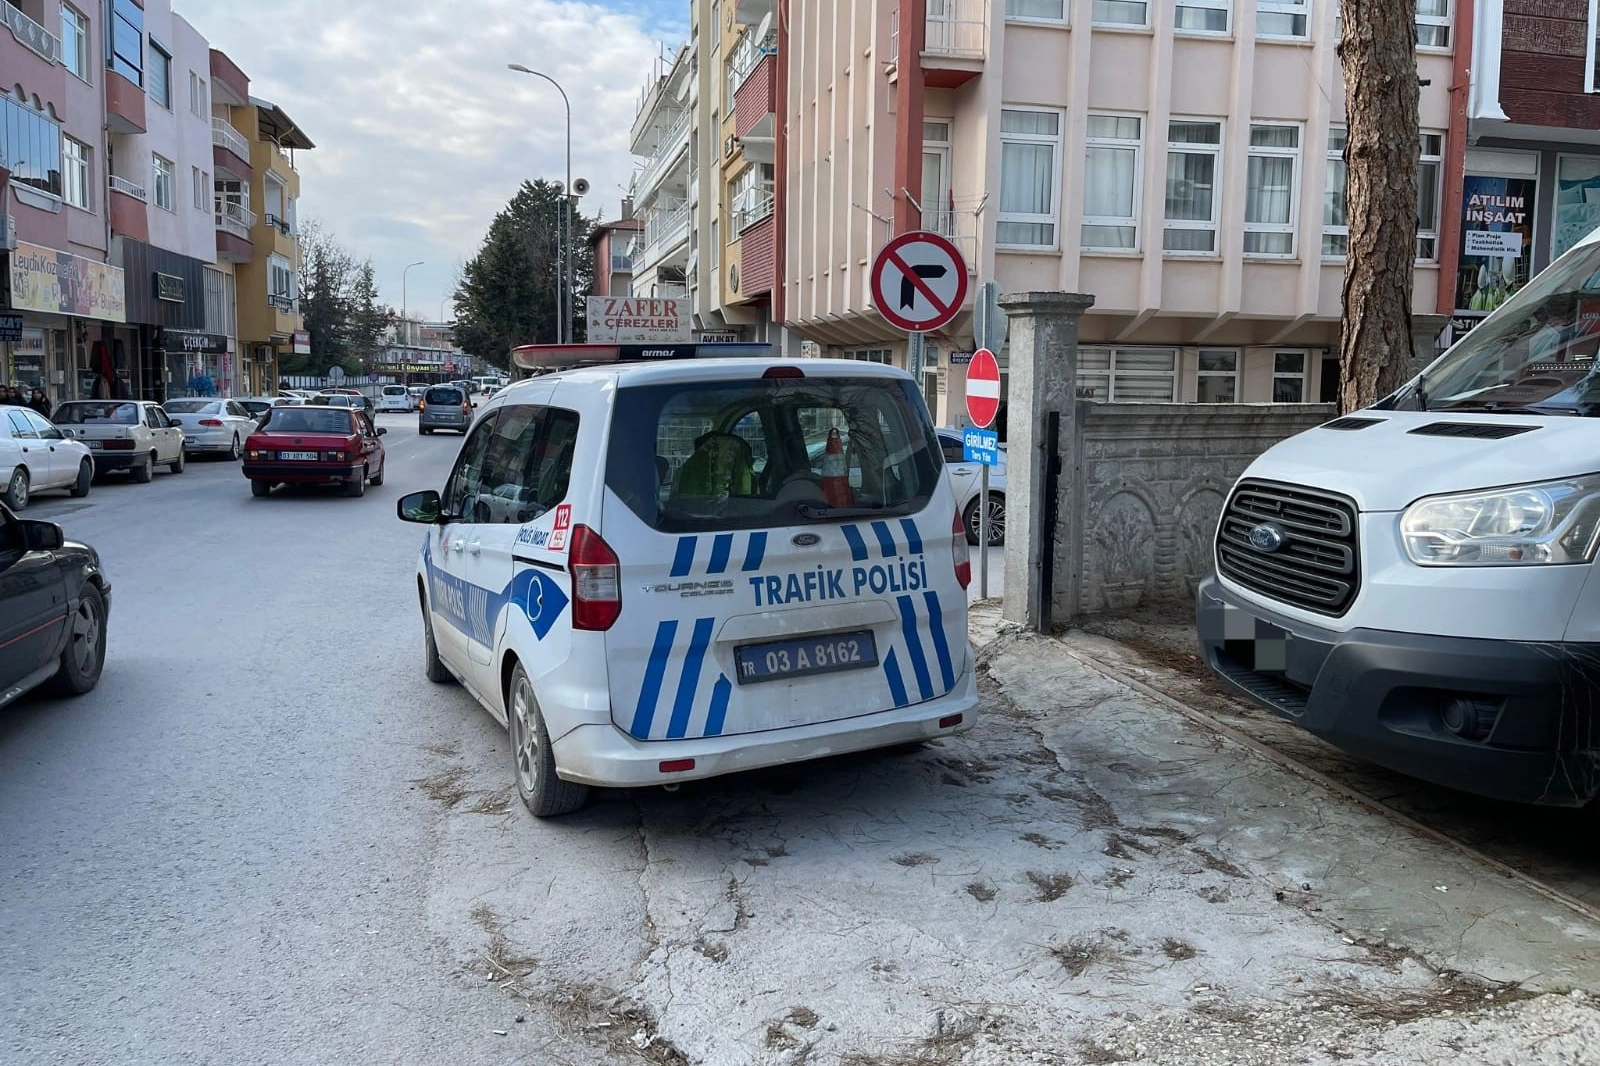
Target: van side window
528	465
461	492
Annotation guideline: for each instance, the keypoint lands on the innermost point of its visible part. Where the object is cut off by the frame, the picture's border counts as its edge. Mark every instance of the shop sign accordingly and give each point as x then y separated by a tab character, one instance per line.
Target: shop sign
28	342
302	342
60	283
10	328
195	343
170	287
639	320
1496	241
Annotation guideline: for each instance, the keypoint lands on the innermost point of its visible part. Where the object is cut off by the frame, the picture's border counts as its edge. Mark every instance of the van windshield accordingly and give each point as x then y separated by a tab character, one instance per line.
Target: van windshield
1535	355
772	452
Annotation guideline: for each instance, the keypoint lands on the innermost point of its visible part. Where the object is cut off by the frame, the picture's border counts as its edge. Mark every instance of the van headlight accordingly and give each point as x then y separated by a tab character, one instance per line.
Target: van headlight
1548	523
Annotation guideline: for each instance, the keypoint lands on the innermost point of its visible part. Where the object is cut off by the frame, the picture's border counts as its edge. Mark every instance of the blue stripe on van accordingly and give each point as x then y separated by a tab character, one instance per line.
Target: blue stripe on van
919	659
885	539
941	645
897	684
858	547
756	552
689	681
720	692
683	561
913	538
721	548
654	671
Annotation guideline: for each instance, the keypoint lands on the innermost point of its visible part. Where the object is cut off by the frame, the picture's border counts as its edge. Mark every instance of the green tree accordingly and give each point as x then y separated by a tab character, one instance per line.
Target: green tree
369	319
326	273
509	292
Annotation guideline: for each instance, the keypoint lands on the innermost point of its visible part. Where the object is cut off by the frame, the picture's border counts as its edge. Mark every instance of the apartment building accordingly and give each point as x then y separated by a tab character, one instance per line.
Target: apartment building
1182	160
662	192
610	244
66	291
1531	184
744	238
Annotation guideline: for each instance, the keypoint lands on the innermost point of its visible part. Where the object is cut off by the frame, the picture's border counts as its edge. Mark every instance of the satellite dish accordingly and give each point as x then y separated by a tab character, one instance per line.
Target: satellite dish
580	185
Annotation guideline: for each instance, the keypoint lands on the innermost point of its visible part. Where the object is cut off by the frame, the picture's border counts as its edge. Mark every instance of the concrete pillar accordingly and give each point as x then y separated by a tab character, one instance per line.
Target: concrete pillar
1425	330
1043	378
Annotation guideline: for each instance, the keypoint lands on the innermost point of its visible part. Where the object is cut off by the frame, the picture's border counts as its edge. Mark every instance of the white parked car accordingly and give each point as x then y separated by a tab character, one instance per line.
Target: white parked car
132	435
396	398
211	425
36	456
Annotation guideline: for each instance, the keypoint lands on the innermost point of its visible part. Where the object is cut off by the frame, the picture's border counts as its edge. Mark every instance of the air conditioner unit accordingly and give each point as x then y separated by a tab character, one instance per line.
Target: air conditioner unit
8	233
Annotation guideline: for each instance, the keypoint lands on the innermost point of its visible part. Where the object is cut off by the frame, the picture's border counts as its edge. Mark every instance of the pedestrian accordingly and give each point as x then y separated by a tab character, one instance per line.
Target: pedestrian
12	397
40	402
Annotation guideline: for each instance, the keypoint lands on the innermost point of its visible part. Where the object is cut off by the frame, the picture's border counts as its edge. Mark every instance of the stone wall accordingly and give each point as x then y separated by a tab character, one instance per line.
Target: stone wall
1154	478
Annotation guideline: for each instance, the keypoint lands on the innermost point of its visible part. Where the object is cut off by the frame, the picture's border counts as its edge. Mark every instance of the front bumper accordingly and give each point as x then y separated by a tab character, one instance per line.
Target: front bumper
603	755
302	473
1505	719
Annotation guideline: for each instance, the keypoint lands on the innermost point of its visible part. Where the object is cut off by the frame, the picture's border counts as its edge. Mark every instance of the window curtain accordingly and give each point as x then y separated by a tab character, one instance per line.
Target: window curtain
1108	193
1026	174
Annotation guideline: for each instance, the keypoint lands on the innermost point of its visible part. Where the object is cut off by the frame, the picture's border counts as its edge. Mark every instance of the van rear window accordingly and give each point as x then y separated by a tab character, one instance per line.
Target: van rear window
444	396
754	454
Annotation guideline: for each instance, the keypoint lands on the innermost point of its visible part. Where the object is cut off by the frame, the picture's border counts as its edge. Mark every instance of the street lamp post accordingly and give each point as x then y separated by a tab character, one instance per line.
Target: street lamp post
405	326
564	318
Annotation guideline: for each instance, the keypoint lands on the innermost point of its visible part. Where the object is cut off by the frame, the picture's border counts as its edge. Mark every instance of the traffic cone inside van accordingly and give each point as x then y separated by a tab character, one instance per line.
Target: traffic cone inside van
835	474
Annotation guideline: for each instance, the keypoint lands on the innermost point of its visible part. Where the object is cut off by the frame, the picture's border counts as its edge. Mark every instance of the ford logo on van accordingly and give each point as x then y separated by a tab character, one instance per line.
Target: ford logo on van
805	540
1267	537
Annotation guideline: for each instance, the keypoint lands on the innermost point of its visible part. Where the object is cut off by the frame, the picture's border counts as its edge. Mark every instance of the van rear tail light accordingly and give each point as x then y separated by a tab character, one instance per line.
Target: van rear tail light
960	554
596	581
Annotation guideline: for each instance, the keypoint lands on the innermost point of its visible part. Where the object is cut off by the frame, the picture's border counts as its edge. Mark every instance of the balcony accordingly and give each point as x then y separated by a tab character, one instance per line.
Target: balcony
956	42
283	303
754	101
671	145
229	85
747	55
958	220
32	36
124	105
751	206
230	150
126	206
235	219
278	223
621	263
666	227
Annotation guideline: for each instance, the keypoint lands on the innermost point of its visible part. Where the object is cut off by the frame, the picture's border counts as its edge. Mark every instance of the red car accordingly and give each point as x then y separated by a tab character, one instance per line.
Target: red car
314	446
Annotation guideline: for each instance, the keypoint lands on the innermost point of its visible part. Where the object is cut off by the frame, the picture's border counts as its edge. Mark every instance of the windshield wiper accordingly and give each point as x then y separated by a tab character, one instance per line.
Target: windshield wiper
1422	393
823	514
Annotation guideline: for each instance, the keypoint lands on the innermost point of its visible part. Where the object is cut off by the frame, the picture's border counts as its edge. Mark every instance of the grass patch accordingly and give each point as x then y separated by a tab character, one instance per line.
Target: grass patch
1049	887
981	892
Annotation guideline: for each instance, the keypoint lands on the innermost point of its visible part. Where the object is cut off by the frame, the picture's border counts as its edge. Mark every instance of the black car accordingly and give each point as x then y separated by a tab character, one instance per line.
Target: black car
54	600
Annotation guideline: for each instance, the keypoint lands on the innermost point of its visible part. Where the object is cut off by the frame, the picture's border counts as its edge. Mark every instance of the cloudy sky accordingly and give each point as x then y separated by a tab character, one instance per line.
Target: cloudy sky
422	133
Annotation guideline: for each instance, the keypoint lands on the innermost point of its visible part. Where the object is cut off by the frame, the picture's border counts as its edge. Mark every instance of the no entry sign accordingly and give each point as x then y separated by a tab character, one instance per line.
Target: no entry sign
983	388
919	282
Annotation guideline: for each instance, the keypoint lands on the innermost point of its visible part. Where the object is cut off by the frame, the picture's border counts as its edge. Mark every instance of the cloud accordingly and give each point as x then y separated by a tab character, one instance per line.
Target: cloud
422	133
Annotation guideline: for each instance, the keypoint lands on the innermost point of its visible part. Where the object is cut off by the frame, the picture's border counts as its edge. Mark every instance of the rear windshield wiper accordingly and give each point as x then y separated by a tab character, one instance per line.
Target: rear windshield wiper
823	514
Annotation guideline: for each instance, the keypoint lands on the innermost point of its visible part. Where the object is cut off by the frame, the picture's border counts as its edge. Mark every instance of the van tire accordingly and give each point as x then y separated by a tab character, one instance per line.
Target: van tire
432	666
533	765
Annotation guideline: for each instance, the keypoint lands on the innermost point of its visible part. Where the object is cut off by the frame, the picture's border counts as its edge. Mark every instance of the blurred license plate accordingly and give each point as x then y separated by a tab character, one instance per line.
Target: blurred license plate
782	659
95	444
298	455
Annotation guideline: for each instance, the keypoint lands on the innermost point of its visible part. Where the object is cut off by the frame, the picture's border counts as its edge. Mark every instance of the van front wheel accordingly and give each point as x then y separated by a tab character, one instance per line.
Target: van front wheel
532	762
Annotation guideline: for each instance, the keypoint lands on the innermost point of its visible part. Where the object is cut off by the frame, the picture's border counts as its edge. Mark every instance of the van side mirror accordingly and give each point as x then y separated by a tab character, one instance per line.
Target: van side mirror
420	507
43	536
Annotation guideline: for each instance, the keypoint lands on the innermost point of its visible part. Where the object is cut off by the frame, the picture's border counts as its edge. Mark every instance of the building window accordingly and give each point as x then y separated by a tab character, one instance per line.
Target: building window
75	42
160	75
1194	150
1030	174
1430	169
1433	23
752	196
1591	77
1271	199
280	283
1283	19
1129	375
1203	16
716	247
1121	13
31	147
1111	183
1288	377
75	172
163	171
1037	10
197	94
1217	380
1335	216
125	40
870	355
202	189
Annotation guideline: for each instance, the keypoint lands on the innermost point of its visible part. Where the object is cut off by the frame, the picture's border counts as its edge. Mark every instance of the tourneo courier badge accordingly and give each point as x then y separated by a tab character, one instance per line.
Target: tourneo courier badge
1267	537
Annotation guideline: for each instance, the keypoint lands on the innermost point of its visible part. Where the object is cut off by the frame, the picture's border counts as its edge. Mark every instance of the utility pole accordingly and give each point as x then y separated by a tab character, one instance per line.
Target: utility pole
1378	51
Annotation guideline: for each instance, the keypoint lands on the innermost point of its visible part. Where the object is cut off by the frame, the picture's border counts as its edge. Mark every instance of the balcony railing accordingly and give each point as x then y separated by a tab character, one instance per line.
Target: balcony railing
747	54
664	226
751	206
234	219
957	220
670	290
955	28
279	224
671	141
281	302
31	35
128	188
224	135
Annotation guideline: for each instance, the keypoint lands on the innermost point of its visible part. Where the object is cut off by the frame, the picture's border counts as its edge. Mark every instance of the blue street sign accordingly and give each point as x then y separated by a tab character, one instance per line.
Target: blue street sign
980	446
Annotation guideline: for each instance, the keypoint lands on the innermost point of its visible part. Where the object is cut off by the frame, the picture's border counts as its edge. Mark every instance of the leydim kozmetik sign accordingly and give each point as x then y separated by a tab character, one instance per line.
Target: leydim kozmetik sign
639	320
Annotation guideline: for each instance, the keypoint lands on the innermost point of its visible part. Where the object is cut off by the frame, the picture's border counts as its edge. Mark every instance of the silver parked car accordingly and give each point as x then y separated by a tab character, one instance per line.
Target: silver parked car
445	407
212	425
964	476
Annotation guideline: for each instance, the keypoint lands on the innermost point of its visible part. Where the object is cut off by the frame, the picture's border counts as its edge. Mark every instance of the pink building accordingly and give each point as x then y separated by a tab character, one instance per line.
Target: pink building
613	261
1179	159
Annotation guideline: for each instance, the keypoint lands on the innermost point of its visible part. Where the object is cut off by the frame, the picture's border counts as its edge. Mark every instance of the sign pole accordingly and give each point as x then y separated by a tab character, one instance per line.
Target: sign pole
983	533
914	354
981	445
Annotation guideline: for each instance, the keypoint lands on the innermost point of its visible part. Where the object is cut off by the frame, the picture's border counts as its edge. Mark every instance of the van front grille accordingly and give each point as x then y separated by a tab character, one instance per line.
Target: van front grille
1306	554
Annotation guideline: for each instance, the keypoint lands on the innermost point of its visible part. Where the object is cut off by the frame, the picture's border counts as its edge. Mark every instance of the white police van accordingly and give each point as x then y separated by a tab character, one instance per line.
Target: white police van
651	573
1416	582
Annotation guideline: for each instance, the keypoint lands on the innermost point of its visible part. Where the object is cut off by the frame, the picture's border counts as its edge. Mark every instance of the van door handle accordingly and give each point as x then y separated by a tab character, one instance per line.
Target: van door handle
455	545
476	546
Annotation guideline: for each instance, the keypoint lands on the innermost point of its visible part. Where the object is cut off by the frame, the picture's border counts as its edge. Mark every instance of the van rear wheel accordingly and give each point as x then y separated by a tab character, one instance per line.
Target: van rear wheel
532	762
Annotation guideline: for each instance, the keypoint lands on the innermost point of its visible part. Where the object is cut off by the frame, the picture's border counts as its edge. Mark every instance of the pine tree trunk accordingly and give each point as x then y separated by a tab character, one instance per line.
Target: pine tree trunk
1378	53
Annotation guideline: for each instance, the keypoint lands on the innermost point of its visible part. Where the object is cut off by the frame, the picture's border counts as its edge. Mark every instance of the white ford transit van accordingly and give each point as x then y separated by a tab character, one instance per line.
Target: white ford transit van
1416	582
652	572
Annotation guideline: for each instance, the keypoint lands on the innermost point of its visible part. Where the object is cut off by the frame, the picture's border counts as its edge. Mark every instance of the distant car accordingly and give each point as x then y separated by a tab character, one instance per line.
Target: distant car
416	391
211	425
132	435
345	399
35	456
257	405
315	444
445	407
965	477
54	601
396	398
